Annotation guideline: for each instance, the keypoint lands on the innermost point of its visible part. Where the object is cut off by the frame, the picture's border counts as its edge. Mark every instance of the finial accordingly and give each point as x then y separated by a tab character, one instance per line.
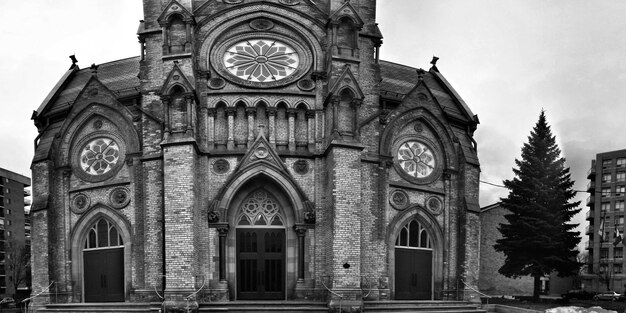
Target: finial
261	130
94	69
434	61
74	61
420	74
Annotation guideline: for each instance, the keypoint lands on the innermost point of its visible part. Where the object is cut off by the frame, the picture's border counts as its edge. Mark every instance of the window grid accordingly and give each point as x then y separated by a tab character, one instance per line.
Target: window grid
413	235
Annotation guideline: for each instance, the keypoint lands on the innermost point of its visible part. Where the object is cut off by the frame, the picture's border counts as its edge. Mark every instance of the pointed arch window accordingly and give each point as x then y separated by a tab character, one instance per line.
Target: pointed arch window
413	235
103	234
260	209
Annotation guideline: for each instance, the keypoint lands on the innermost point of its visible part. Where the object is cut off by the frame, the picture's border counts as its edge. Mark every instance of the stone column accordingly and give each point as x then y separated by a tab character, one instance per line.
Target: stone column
271	112
310	116
222	229
211	128
251	113
189	130
230	112
166	114
291	113
335	102
356	104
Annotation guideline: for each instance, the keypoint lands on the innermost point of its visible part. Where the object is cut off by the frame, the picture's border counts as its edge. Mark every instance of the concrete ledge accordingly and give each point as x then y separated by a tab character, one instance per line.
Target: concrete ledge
499	308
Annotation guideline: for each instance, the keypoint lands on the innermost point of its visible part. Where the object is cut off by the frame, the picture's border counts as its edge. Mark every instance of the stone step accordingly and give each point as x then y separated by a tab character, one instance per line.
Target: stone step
265	306
421	307
104	307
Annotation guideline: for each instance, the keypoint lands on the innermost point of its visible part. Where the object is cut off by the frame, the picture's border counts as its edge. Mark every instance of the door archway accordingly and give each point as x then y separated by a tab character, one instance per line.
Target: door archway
413	263
103	263
261	248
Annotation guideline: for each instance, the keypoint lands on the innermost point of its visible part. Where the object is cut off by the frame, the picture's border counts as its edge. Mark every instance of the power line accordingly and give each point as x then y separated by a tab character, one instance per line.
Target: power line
502	186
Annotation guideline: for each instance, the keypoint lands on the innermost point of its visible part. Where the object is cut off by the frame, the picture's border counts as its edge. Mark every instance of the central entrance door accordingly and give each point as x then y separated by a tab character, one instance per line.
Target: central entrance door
413	263
260	263
103	261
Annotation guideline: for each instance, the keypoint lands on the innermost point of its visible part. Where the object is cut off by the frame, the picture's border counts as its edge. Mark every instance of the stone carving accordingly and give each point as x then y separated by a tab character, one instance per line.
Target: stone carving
80	203
306	84
119	197
434	205
261	24
213	217
216	83
309	217
399	199
301	167
221	166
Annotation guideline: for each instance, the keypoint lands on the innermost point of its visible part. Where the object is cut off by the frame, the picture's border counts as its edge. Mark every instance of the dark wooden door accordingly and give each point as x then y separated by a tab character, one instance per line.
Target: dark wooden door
413	274
104	275
260	264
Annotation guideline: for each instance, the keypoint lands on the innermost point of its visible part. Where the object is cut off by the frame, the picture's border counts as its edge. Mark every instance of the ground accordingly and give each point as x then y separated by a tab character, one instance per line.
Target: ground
618	306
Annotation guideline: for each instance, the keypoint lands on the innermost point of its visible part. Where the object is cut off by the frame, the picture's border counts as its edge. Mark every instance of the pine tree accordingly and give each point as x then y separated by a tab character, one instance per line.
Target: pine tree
538	238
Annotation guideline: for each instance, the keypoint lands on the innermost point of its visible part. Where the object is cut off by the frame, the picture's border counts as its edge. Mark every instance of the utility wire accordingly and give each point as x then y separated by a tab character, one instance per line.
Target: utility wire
501	186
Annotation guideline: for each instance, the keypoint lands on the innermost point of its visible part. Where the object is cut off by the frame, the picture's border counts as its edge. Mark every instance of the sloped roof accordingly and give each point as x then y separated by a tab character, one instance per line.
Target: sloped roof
118	76
399	80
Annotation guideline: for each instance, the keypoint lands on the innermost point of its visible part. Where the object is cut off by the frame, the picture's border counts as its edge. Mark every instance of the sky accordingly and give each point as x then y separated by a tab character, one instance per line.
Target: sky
508	59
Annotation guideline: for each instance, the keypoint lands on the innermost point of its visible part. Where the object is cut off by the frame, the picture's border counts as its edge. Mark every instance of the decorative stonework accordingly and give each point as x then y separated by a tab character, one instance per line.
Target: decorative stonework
119	197
418	127
97	124
434	205
306	84
260	209
80	203
261	152
309	217
301	167
261	24
399	199
261	60
417	159
216	83
213	217
99	156
233	1
289	2
221	166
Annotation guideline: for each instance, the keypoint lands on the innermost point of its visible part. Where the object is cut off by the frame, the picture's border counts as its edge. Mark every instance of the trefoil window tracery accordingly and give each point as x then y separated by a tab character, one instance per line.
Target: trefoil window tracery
260	209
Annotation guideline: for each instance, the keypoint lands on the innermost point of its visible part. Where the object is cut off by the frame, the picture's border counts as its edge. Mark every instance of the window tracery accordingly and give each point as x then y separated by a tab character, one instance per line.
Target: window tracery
260	209
413	235
103	234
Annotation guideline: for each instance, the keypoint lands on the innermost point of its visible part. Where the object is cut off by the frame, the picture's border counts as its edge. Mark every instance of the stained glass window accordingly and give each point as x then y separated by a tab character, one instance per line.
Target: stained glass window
416	159
99	156
260	209
261	60
103	234
413	235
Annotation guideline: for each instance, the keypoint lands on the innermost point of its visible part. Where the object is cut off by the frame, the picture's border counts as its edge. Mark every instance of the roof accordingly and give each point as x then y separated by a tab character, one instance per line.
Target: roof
496	205
398	80
118	76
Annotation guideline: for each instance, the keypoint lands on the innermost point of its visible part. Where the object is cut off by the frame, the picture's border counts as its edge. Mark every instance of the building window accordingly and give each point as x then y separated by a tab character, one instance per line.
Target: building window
619	205
8	233
603	268
620	177
103	234
604	253
621	162
606	207
620	190
617	268
606	178
619	221
8	222
607	163
618	253
606	192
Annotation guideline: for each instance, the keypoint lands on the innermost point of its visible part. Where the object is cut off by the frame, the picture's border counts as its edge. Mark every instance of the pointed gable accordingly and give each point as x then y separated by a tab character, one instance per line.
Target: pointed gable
176	77
262	151
347	10
346	80
174	8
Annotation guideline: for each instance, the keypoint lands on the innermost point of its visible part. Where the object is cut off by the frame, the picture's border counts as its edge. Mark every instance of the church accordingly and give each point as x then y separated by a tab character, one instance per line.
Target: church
254	151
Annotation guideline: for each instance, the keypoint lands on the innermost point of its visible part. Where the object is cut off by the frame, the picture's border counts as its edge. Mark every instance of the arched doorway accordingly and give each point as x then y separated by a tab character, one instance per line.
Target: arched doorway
103	263
261	248
413	263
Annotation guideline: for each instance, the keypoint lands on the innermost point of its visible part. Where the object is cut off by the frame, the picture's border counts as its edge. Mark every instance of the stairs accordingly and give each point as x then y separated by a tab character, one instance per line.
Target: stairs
105	307
420	307
265	306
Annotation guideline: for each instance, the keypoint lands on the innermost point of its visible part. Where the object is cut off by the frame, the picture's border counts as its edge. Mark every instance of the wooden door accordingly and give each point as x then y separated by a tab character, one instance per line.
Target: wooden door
260	264
104	275
413	279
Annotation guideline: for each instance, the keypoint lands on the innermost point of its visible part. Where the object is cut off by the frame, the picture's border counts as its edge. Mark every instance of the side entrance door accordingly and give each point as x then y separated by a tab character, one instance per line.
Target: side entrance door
413	274
260	263
104	275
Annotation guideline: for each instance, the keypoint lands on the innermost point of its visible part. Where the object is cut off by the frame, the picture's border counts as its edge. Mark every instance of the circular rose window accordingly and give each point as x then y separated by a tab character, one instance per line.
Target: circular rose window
416	159
261	60
99	156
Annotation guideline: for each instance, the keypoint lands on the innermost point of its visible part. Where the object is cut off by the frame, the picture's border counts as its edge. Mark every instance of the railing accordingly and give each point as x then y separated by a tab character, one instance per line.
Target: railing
27	300
476	291
332	292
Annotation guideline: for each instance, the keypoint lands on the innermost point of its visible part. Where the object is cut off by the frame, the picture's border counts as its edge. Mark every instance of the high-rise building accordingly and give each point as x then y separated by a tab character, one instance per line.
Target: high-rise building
13	194
255	150
605	246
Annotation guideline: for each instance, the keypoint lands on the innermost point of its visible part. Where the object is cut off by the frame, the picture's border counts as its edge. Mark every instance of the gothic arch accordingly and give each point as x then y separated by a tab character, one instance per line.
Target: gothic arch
435	232
79	235
441	131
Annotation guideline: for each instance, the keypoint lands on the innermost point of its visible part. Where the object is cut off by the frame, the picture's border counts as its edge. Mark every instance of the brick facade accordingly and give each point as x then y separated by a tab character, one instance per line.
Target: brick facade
194	142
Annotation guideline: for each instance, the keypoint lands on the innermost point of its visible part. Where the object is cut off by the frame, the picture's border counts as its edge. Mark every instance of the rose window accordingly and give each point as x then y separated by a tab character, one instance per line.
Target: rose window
99	156
416	159
261	60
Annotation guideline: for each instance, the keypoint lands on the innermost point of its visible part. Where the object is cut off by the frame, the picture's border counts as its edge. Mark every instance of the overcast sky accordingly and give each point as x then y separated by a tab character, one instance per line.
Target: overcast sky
508	59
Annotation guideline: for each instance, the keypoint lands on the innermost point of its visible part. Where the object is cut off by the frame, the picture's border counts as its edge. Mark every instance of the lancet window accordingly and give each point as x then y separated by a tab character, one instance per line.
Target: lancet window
413	235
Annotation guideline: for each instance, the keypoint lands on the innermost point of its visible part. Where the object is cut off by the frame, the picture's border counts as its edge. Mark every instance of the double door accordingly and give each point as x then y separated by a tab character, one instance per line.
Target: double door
104	275
261	263
413	277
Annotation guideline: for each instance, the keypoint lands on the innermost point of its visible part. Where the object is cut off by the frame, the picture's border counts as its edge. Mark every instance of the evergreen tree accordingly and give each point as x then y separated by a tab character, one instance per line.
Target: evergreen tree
538	238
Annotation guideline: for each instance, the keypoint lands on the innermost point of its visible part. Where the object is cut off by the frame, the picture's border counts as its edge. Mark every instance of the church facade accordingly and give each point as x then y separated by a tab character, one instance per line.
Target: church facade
255	150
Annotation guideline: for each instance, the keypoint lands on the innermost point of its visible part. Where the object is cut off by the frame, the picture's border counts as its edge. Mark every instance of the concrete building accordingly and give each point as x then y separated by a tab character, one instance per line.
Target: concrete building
607	193
12	226
255	150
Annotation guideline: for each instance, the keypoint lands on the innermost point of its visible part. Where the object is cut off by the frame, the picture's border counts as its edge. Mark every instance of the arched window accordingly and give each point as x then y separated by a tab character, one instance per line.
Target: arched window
413	235
346	36
346	112
177	35
103	234
260	209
